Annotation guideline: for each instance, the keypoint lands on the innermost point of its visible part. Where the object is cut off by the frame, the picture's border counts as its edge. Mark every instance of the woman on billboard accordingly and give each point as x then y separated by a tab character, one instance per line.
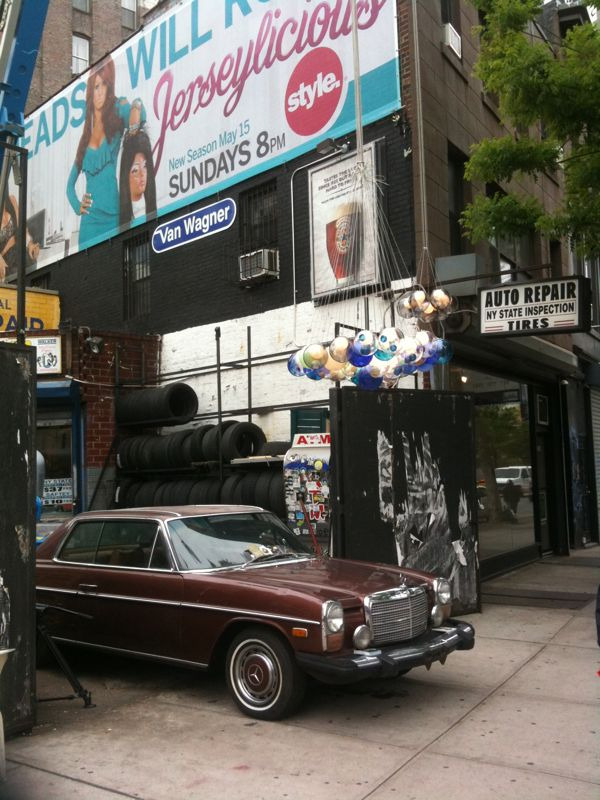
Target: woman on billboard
9	251
106	118
136	179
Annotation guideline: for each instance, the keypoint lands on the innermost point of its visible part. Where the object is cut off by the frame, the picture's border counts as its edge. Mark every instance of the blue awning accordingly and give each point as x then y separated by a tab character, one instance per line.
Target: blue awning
56	390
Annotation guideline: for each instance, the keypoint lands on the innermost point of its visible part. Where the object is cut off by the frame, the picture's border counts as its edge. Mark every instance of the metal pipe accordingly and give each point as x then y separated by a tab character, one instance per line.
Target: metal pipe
249	354
22	181
357	88
341	150
420	142
219	407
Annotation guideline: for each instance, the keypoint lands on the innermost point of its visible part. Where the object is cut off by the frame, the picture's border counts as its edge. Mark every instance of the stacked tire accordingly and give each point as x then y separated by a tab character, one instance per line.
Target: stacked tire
262	488
192	445
172	404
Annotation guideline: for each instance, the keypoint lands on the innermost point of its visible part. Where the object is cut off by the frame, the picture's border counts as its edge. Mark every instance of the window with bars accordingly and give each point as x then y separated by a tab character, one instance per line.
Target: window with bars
258	218
80	60
128	14
136	277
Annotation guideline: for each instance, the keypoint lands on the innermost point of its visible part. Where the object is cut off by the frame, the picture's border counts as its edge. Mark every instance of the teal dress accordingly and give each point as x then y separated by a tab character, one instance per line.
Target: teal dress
99	166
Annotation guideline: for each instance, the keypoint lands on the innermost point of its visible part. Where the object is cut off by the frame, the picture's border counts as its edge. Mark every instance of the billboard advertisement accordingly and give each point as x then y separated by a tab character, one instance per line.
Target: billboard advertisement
42	310
204	96
343	222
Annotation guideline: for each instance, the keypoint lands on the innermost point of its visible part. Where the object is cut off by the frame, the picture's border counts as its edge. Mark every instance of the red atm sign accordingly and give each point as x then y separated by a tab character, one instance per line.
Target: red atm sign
520	309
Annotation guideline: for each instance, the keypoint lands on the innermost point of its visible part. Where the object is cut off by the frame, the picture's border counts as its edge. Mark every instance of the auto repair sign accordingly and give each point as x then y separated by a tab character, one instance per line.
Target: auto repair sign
518	309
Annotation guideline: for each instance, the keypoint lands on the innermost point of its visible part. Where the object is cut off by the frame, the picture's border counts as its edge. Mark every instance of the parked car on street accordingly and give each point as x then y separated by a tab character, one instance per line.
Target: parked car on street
520	476
200	586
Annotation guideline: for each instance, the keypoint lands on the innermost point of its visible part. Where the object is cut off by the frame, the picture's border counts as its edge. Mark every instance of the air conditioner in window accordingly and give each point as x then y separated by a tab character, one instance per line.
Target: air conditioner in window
259	265
452	39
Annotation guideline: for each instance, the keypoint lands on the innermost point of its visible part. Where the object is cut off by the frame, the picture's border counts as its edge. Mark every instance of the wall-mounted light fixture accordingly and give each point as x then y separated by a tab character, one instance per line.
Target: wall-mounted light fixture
94	344
329	146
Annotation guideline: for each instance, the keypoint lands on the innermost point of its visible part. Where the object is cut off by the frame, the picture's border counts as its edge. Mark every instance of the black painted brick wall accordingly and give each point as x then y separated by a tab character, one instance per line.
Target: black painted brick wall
198	283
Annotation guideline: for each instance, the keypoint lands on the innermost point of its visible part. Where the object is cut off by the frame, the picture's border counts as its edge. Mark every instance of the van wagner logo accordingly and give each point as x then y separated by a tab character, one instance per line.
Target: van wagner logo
313	91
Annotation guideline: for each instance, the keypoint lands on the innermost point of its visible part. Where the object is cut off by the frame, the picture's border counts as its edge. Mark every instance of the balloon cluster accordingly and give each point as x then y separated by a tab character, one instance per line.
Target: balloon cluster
417	304
371	360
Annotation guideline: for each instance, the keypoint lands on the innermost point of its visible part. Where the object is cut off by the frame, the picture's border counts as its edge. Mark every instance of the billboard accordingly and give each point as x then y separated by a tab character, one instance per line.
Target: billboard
42	310
204	96
343	224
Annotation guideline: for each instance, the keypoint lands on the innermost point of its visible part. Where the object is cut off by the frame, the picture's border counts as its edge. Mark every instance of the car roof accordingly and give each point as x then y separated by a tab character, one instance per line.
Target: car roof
167	512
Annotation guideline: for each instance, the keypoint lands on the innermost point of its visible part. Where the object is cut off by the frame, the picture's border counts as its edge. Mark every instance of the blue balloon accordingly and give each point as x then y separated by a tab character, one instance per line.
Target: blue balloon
316	374
367	381
427	365
384	355
442	350
294	366
358	359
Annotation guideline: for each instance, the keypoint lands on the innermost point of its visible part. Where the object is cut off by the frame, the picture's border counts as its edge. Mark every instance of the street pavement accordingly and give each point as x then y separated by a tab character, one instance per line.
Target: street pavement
517	717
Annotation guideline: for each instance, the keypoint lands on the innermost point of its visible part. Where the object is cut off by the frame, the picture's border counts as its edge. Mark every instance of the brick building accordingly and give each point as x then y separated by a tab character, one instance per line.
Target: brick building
78	33
231	307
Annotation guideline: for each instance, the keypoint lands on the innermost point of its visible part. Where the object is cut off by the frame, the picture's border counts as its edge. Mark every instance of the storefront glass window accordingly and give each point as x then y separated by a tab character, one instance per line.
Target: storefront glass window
53	440
503	460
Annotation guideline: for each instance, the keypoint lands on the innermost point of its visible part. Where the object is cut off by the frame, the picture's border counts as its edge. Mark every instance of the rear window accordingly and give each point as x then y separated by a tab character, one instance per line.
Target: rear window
126	543
82	543
507	472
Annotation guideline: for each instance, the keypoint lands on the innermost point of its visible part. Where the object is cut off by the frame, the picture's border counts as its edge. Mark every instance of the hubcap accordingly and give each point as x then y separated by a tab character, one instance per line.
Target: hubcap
255	674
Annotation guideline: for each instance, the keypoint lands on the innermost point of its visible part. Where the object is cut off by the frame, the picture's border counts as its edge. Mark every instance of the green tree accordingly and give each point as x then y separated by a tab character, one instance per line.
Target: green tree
543	84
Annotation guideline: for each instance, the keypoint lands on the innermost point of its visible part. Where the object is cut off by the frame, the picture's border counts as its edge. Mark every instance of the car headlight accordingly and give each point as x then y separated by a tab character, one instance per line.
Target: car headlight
442	591
333	616
361	638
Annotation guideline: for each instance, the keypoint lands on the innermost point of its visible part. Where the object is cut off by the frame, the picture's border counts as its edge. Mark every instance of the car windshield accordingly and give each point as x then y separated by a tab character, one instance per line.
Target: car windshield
231	540
507	472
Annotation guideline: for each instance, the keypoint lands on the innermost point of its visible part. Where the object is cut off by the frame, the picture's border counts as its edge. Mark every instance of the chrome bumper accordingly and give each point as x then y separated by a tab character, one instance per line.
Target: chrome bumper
390	661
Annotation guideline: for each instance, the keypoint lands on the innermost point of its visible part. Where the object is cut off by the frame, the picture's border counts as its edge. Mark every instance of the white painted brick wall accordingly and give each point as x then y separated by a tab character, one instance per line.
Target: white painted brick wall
272	384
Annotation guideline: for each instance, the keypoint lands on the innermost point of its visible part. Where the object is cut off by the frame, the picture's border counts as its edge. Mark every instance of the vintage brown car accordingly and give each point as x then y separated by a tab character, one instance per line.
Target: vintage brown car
202	585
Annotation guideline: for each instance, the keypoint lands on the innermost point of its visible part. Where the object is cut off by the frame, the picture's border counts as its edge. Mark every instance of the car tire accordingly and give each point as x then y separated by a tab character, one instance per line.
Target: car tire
263	676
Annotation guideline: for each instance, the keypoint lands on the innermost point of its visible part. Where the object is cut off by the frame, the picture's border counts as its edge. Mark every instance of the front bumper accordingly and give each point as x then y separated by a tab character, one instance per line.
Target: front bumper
389	661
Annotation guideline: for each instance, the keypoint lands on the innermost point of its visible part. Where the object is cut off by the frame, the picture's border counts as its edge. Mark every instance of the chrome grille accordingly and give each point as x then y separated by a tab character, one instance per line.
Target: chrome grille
397	615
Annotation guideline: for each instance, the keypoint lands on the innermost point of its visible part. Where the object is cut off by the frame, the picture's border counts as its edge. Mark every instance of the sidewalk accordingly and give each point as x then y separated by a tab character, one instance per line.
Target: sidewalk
517	717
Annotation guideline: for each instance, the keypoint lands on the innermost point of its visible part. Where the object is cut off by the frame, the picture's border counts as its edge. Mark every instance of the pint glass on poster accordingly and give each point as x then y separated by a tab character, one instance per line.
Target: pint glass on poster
345	241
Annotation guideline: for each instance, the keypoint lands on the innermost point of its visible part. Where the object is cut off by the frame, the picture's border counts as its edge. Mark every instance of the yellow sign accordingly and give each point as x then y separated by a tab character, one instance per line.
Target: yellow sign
42	310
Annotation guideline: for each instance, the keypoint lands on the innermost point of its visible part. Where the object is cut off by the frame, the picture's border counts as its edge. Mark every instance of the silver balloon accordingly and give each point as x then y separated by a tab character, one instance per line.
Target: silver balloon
418	299
403	306
440	299
424	337
338	349
365	343
314	356
388	342
427	312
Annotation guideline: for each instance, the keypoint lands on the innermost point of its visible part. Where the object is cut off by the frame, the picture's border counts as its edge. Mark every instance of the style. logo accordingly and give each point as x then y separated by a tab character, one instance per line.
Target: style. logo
313	91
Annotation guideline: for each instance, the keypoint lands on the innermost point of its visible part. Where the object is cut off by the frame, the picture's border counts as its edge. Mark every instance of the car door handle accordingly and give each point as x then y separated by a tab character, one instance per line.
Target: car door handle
88	588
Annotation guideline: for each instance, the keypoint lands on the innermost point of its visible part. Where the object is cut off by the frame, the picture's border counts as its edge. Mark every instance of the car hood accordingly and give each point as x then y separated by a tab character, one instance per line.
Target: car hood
329	578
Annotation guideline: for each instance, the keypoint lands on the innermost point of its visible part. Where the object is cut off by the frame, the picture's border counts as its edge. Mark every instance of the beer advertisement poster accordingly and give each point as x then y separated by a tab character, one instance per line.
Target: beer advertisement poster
343	221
